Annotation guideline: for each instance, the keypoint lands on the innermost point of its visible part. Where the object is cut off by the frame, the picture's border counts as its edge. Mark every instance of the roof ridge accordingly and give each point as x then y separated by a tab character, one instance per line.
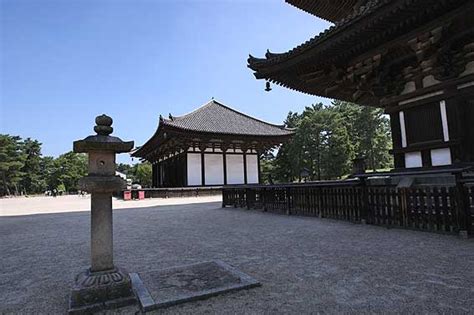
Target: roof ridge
213	101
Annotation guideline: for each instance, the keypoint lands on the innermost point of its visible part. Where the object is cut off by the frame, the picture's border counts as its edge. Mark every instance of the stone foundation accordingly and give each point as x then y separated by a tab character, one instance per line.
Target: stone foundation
95	291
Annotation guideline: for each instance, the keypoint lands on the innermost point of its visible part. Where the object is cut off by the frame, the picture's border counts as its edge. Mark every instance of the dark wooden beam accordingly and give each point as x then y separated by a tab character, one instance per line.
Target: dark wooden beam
245	167
185	164
224	163
259	169
203	169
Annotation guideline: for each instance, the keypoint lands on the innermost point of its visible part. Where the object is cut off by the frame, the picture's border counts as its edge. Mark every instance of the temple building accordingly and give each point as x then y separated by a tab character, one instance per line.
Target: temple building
414	58
213	145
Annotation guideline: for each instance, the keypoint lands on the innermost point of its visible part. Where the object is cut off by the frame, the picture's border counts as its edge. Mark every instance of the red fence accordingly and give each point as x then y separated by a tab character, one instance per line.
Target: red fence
436	209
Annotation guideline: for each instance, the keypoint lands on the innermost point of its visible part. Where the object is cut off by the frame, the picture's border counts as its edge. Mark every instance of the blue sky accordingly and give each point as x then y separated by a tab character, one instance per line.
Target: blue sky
64	62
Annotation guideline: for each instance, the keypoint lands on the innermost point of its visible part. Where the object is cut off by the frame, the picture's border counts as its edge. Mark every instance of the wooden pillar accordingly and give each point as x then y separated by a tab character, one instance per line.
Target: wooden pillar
185	168
177	171
399	158
160	174
203	171
460	120
224	162
163	173
245	166
258	168
153	175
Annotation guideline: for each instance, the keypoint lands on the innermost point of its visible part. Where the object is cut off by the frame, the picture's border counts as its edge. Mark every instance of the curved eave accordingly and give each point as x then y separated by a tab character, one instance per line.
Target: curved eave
166	126
336	47
171	127
319	43
354	28
332	10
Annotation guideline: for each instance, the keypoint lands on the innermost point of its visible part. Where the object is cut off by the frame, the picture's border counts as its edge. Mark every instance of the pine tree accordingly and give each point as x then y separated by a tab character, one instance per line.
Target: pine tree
328	138
12	160
32	181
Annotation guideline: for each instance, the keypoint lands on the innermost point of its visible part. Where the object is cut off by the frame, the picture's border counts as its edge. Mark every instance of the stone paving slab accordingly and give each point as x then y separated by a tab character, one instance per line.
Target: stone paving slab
176	285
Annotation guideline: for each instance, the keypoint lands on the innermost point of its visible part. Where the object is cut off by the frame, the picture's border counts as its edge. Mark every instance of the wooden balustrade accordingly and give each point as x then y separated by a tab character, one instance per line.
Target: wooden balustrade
429	208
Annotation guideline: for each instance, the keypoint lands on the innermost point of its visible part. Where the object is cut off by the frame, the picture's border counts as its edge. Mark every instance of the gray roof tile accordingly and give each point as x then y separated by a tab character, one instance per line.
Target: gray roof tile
215	117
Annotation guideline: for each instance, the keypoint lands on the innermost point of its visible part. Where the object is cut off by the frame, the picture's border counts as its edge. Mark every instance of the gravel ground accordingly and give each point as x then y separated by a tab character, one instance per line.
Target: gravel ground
306	265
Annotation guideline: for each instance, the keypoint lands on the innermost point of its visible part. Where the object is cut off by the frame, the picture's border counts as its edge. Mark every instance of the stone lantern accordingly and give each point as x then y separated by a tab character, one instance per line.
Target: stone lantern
103	285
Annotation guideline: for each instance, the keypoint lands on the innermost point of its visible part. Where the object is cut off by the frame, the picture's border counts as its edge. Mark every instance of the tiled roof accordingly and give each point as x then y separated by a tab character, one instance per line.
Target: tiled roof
215	117
275	58
331	10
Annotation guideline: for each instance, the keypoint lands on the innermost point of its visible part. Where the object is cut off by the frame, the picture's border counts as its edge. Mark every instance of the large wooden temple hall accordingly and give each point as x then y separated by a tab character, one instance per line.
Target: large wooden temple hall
414	58
213	145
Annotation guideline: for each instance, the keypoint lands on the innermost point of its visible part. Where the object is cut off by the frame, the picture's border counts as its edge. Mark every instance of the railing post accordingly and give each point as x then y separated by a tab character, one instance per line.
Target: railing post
288	201
236	196
364	209
321	203
224	197
462	208
247	198
403	206
264	199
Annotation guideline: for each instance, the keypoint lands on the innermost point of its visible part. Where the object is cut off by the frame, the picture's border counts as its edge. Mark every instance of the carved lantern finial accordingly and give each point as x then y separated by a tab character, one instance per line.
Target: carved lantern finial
103	125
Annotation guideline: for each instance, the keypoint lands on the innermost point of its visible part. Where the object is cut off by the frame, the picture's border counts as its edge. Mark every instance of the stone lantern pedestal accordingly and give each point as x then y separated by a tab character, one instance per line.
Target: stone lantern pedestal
103	285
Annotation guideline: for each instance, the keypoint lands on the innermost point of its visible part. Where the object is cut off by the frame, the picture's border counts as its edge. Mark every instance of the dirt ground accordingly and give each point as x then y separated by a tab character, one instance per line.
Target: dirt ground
306	265
75	203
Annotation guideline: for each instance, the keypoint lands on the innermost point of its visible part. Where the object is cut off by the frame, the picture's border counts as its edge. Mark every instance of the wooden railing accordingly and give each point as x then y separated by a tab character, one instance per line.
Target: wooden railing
174	192
430	208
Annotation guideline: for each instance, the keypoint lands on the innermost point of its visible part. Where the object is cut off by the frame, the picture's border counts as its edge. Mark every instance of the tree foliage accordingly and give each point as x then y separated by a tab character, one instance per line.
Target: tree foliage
31	180
328	138
140	173
143	173
67	169
12	159
23	169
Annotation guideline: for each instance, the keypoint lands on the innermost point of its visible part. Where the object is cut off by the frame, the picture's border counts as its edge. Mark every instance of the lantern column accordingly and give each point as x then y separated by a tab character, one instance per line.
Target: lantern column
103	285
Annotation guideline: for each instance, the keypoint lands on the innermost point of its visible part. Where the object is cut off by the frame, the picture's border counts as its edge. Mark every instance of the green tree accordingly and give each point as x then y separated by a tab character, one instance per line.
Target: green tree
32	180
267	167
126	169
328	138
67	170
326	146
47	169
369	129
283	164
142	173
337	149
12	160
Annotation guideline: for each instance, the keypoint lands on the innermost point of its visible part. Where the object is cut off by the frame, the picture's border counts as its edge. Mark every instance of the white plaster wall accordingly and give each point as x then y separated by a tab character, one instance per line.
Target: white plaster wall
235	168
413	159
214	169
441	157
252	169
194	169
